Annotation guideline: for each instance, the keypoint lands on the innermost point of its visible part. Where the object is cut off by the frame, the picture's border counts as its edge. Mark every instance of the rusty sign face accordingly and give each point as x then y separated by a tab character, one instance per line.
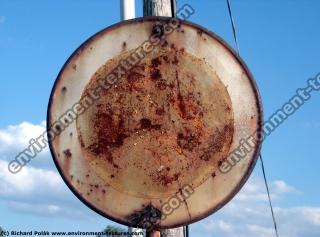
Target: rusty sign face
140	122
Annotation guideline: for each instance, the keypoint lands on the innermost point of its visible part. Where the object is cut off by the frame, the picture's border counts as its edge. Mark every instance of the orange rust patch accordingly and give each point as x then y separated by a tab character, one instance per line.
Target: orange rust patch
168	121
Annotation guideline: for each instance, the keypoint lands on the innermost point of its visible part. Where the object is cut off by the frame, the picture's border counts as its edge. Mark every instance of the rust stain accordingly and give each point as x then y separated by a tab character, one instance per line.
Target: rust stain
155	74
199	32
157	113
124	45
166	179
164	120
67	153
188	141
147	217
217	141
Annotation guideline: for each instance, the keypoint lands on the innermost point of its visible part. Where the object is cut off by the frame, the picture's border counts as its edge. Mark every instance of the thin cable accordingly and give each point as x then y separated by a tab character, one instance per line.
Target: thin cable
233	26
173	8
187	231
270	203
262	165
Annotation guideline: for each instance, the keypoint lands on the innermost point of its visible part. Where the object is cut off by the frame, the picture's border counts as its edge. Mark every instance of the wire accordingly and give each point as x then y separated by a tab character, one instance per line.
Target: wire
233	26
261	160
187	231
173	8
269	198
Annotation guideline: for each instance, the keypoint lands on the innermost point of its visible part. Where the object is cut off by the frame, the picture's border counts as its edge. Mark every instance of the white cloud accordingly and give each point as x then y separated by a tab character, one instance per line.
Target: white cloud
218	225
39	191
15	138
28	181
248	214
39	209
300	215
281	187
47	210
18	136
255	190
260	231
38	188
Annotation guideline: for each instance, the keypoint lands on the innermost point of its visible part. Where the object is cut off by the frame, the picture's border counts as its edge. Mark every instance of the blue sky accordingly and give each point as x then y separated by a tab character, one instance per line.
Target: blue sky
279	41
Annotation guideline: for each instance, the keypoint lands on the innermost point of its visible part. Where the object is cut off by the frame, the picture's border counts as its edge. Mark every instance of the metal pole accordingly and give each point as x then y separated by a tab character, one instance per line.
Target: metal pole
127	9
159	8
153	8
162	8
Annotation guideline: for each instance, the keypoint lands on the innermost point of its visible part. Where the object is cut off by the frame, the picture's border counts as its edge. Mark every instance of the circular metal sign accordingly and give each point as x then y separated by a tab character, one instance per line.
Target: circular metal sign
145	117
